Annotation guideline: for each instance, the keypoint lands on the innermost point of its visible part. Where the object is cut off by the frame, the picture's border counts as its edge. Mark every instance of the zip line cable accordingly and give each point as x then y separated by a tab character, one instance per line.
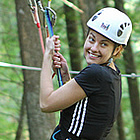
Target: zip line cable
8	65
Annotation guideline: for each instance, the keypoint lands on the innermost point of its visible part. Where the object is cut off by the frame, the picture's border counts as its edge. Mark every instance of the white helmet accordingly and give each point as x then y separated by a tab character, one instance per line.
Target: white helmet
112	24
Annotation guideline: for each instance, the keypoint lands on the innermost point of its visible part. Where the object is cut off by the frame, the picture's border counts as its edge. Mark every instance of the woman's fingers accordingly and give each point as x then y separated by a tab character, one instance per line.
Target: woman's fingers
56	61
53	43
57	42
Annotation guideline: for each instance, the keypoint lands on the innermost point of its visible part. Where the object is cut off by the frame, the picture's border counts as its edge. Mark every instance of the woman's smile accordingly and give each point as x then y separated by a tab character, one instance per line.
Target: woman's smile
93	55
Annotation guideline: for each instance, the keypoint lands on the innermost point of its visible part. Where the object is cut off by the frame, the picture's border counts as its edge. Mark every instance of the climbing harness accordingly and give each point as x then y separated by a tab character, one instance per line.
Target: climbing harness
53	136
50	23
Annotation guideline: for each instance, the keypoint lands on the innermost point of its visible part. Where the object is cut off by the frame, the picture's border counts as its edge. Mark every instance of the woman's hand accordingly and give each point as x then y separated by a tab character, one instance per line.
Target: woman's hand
59	61
52	44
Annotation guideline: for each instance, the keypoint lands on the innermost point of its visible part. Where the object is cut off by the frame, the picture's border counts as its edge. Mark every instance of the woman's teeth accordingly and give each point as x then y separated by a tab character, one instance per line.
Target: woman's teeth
93	55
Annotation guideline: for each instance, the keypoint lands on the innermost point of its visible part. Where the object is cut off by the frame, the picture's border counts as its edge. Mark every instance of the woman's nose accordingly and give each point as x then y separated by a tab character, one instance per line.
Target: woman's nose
95	47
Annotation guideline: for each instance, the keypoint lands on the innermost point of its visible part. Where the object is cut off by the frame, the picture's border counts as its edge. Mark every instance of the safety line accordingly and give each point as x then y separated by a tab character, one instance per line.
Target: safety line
50	29
35	15
34	12
3	64
8	65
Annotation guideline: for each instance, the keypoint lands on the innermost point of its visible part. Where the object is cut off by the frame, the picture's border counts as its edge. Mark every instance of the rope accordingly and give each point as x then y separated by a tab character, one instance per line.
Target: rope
70	4
3	64
49	26
50	29
36	20
8	65
50	23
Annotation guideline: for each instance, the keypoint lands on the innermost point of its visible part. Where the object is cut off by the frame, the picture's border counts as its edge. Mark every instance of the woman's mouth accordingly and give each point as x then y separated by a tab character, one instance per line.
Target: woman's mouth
93	55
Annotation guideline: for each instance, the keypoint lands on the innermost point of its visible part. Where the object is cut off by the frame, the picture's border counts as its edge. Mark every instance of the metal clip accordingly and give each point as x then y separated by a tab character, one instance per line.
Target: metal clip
43	9
30	4
54	17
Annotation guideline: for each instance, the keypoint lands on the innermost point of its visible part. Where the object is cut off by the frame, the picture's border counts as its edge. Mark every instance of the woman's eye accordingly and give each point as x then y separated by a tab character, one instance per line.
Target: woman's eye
103	44
91	39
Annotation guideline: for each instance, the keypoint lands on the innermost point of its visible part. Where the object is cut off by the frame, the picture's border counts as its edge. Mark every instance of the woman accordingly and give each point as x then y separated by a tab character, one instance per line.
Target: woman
91	100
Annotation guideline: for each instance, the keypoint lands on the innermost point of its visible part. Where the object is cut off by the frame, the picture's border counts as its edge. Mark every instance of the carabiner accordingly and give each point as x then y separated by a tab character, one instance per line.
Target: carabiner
54	17
43	9
30	4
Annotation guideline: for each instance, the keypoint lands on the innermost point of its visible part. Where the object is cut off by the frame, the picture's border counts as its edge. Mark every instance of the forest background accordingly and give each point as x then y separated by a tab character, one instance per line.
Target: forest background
20	116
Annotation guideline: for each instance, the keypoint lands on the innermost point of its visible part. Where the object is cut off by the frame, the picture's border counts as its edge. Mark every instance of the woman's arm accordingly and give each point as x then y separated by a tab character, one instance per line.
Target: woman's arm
64	96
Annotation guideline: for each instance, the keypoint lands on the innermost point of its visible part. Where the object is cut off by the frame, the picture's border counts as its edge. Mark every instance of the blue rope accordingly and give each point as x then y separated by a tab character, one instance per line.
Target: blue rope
49	24
50	29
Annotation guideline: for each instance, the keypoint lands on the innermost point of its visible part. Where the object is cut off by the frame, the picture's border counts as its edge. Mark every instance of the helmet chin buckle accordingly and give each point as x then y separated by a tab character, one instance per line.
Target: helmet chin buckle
110	61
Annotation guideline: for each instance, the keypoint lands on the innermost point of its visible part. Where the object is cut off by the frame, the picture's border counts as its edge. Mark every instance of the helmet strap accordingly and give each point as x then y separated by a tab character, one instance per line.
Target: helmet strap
110	61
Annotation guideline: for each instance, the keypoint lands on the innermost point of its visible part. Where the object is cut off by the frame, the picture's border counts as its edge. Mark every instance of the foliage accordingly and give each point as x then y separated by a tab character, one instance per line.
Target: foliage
11	79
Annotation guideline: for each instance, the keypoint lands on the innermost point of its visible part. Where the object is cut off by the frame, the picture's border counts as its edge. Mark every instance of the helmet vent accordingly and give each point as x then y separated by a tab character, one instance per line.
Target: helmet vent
122	27
99	13
94	18
119	33
125	24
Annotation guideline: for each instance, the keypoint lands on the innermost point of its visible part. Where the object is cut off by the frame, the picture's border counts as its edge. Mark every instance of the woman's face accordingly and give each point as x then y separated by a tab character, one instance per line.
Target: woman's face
97	48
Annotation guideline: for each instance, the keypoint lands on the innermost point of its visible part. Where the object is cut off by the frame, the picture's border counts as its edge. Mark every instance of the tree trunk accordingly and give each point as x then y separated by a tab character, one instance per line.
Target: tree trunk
120	126
73	35
89	7
21	119
132	83
133	89
113	134
40	125
105	3
119	4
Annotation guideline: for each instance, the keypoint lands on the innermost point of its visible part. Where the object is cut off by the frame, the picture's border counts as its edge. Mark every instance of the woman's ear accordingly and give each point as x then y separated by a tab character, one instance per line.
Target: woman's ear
118	50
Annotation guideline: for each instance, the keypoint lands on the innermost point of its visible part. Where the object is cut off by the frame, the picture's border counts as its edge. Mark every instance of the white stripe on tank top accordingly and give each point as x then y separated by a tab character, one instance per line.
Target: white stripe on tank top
78	119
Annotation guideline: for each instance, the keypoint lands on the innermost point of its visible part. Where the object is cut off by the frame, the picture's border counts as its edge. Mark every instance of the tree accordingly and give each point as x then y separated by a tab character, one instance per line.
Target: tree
40	125
21	119
134	94
132	83
72	34
86	6
121	126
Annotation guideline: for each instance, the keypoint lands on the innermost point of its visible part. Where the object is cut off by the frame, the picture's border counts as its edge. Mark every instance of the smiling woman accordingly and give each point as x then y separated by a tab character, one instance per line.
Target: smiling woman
90	101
